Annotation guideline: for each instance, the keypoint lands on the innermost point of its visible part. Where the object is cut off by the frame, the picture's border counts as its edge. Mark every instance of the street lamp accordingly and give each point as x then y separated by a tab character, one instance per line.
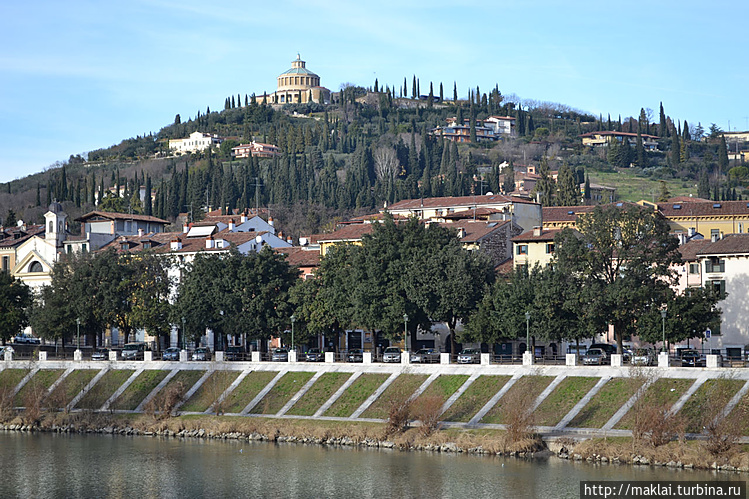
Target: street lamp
405	330
293	320
663	317
78	323
183	334
527	331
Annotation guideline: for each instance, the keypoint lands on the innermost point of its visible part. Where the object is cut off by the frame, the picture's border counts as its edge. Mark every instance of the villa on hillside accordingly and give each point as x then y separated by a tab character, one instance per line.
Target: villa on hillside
604	138
196	142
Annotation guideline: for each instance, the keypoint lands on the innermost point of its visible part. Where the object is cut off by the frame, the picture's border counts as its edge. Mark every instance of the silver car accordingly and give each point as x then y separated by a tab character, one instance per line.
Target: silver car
595	356
469	356
279	355
643	357
392	354
425	356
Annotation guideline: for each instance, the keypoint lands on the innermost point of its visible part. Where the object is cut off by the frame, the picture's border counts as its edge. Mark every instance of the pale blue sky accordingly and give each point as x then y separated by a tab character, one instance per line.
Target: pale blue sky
79	75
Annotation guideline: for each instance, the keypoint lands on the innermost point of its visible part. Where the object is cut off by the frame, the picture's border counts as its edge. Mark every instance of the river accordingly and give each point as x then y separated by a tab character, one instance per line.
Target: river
56	465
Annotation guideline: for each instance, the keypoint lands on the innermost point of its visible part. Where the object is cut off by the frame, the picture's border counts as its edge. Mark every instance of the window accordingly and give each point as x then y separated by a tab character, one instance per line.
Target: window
714	235
36	267
715	265
6	263
719	287
741	227
84	247
522	249
694	268
549	248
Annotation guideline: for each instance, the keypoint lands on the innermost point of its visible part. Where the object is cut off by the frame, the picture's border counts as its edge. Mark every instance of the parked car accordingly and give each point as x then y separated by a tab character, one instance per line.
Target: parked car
425	355
171	353
314	355
692	358
234	353
100	354
279	355
643	357
26	338
133	351
607	348
595	356
355	355
201	353
392	354
469	356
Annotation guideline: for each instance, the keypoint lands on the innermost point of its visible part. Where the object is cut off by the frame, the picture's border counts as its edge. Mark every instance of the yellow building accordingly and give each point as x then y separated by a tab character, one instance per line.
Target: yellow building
712	219
299	85
534	247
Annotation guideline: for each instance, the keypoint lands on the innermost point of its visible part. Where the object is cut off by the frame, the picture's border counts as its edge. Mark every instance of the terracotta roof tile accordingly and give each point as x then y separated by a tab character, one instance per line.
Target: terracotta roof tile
731	244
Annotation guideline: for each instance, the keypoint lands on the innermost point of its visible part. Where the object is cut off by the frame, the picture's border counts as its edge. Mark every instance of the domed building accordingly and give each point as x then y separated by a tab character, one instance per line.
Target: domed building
299	85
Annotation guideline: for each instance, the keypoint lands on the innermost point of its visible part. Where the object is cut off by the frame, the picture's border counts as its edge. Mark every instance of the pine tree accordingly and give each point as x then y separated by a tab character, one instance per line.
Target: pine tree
441	95
703	186
413	88
455	92
508	180
568	187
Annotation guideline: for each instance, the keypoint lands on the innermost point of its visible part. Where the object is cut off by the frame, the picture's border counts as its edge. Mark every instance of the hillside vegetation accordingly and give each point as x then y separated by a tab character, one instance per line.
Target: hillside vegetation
368	149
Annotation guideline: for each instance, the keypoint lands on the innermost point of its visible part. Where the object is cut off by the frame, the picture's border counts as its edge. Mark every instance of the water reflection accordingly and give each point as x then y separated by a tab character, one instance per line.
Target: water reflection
105	466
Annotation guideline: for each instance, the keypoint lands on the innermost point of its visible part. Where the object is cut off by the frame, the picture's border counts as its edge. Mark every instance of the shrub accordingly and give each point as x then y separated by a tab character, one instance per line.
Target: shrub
428	410
163	404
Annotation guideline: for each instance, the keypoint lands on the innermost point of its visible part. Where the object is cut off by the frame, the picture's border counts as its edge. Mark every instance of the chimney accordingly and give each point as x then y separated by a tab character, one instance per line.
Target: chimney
461	233
231	225
270	221
303	241
536	231
692	231
243	218
185	228
140	232
176	244
290	240
209	242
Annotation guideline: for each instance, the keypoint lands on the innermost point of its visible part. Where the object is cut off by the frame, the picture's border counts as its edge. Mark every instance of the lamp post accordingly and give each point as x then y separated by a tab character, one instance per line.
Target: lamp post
183	334
78	323
527	331
405	330
293	320
663	317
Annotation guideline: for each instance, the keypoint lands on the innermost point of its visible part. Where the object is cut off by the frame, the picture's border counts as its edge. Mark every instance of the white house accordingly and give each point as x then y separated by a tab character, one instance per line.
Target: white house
197	141
725	266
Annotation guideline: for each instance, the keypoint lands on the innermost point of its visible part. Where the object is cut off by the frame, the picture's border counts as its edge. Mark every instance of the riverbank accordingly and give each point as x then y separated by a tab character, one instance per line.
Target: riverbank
687	454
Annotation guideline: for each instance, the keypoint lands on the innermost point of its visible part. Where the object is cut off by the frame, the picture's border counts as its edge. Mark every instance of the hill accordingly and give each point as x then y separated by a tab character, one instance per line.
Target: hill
364	150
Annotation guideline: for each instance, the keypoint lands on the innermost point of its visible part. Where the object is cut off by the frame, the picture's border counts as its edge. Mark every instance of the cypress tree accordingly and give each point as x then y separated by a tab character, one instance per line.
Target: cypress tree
38	194
568	188
441	96
662	127
586	194
147	203
413	88
455	92
703	186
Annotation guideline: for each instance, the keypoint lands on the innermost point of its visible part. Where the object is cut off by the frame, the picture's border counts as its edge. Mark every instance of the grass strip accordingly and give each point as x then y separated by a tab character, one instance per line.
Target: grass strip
564	397
530	387
364	386
403	387
210	391
104	388
606	402
289	384
37	385
708	401
247	389
474	398
319	393
139	389
663	392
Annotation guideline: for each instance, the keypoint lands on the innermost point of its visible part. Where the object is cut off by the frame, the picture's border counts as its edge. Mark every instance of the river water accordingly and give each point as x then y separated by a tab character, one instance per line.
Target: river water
53	465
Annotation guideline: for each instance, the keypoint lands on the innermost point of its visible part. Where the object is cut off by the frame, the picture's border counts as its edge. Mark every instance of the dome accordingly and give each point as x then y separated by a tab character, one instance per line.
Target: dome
55	207
298	67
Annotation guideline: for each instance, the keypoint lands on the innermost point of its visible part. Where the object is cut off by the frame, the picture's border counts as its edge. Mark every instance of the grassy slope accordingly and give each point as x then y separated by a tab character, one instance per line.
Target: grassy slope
474	398
325	386
210	391
356	394
104	389
247	389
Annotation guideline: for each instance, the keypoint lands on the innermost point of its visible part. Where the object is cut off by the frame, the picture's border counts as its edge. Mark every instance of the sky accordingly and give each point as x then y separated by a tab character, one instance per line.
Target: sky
79	75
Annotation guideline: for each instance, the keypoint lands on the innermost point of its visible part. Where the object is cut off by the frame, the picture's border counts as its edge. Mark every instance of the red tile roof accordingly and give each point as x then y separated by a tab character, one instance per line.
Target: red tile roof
299	257
546	235
691	249
475	232
462	201
120	216
731	244
704	209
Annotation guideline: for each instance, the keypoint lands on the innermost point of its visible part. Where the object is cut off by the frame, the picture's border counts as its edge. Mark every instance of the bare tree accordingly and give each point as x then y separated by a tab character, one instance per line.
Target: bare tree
386	163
